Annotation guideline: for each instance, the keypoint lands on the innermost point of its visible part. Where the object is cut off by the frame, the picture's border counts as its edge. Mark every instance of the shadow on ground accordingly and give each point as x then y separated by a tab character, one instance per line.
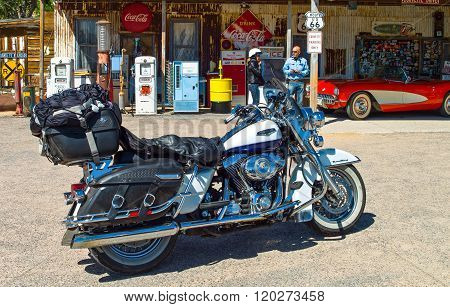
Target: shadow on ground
193	252
341	115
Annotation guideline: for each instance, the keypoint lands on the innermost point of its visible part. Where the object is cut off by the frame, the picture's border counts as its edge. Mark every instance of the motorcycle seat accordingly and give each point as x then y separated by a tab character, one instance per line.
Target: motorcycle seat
204	151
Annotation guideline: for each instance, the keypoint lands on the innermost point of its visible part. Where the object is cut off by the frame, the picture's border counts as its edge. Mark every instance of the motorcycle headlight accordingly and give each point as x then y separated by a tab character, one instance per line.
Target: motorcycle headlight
336	91
317	119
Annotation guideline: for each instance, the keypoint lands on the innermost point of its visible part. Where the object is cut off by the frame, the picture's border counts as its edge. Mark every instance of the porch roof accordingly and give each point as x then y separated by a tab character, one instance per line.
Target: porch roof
322	2
18	27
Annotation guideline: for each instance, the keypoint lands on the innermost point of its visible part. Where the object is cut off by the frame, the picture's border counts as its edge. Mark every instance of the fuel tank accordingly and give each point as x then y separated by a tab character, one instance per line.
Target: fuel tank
264	135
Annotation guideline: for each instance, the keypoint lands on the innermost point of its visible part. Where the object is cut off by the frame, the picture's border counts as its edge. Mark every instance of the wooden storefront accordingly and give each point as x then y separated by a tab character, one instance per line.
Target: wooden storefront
26	33
343	24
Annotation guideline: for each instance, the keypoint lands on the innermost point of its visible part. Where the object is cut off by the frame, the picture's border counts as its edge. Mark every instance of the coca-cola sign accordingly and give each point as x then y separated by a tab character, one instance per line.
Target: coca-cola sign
136	17
247	31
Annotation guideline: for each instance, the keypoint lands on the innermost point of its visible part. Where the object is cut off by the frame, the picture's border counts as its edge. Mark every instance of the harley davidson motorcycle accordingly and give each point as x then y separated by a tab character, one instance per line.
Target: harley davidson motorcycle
129	212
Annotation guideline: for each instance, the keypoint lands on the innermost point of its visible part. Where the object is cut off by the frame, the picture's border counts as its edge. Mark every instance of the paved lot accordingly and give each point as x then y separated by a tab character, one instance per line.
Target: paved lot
401	240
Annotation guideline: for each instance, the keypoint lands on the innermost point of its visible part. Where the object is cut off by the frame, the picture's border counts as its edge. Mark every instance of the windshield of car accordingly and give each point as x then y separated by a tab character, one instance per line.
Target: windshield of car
390	73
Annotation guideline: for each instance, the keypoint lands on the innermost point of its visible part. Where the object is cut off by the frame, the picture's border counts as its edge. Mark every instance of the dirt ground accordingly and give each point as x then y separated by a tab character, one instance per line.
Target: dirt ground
401	239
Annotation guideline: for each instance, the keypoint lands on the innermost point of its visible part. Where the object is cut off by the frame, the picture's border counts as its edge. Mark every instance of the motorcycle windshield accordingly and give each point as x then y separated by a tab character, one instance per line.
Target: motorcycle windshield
272	68
274	78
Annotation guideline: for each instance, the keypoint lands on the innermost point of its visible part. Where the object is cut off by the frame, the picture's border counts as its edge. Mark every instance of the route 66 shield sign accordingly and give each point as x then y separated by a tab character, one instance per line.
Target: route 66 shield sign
314	21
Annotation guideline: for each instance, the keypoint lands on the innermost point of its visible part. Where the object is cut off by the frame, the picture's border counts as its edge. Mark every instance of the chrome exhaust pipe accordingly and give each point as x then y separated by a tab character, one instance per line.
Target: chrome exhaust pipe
94	240
85	240
226	220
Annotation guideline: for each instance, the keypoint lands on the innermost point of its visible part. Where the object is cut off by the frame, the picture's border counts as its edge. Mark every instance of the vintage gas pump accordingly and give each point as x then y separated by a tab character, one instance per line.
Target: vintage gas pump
60	75
185	83
103	63
145	85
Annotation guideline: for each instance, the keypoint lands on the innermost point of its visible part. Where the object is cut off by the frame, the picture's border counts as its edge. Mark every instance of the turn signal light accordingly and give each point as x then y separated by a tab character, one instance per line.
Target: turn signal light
77	186
77	191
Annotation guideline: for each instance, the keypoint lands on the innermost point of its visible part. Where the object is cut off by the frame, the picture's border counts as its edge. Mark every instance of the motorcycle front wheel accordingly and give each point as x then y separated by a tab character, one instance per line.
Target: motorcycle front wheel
134	257
333	216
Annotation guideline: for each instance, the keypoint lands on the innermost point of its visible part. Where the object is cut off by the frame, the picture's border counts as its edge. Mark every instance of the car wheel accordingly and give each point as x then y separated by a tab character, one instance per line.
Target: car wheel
359	106
445	108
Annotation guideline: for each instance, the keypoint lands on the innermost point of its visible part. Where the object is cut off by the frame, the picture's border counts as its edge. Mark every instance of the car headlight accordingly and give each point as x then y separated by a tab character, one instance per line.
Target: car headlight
336	91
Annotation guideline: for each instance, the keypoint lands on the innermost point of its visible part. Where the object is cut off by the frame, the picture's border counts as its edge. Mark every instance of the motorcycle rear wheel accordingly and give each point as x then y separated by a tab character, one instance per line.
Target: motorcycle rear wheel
336	217
135	257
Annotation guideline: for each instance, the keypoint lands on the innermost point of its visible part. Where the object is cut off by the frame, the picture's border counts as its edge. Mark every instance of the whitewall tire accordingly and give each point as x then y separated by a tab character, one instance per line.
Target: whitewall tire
445	108
359	106
338	217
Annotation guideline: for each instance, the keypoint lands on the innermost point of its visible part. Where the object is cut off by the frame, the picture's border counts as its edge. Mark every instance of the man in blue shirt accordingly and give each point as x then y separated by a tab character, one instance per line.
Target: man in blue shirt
295	69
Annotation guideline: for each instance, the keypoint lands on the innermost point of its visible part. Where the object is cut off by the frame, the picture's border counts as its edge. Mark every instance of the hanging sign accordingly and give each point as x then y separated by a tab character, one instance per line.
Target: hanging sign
422	2
314	42
136	17
247	31
314	20
393	28
301	24
12	55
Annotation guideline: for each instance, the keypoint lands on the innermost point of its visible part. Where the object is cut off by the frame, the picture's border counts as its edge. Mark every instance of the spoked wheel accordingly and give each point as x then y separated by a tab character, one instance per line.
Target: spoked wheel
359	106
134	257
445	108
333	216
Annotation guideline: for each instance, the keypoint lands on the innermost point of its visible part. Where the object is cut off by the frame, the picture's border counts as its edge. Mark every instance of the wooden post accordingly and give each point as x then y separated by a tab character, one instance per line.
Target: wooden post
163	54
289	29
41	51
314	67
26	77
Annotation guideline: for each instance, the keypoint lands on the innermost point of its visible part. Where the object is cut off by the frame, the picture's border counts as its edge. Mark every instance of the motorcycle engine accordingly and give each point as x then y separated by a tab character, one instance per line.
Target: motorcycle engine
253	177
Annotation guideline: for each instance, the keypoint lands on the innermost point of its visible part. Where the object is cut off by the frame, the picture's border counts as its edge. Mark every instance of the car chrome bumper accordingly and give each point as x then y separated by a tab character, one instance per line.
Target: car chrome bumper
324	100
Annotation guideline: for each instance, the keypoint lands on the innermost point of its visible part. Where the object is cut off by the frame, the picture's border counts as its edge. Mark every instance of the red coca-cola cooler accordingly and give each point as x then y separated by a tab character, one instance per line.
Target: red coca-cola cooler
234	67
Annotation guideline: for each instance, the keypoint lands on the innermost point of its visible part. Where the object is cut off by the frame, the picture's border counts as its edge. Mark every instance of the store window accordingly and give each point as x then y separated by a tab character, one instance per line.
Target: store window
185	40
335	63
86	44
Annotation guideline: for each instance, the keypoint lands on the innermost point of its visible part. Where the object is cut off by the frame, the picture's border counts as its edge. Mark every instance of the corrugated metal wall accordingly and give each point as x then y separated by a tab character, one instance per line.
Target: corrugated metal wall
64	30
64	43
343	25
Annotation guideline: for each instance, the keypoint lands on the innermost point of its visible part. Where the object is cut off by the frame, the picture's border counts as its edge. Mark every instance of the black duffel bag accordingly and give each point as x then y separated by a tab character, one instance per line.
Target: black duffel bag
77	125
74	145
65	108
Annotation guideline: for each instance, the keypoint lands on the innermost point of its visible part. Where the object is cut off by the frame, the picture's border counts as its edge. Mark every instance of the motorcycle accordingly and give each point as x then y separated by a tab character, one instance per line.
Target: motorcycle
129	214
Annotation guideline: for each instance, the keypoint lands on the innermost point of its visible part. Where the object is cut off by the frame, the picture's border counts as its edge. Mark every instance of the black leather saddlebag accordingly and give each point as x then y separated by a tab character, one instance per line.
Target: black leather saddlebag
133	193
71	145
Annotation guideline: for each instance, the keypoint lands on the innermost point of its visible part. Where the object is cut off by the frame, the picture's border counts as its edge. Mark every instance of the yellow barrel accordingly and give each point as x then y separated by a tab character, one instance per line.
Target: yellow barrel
221	90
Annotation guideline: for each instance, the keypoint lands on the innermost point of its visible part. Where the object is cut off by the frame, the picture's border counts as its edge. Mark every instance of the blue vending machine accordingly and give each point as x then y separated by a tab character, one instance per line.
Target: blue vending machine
186	86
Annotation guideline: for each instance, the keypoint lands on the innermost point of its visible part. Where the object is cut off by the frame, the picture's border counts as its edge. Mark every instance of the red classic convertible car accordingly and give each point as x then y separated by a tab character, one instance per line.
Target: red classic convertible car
391	90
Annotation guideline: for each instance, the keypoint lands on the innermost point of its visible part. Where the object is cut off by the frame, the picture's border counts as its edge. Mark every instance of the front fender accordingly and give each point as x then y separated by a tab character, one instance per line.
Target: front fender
332	156
306	173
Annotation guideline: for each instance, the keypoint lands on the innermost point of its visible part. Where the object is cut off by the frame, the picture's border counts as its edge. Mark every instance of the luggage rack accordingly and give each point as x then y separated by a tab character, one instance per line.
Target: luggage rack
94	171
